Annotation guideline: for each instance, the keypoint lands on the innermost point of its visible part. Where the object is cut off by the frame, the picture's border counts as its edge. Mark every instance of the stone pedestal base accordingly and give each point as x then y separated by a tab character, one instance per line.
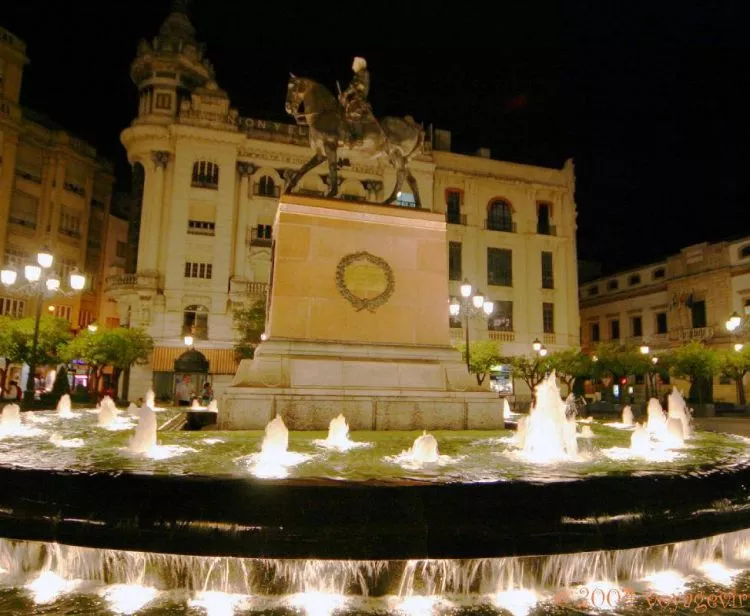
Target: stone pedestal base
377	387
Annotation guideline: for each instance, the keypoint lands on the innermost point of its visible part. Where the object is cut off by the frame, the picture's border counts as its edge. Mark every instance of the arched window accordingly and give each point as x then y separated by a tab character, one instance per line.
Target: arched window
500	216
205	174
266	187
745	251
195	322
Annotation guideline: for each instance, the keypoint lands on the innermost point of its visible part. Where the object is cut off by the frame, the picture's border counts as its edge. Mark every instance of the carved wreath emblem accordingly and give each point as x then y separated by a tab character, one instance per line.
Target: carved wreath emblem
366	281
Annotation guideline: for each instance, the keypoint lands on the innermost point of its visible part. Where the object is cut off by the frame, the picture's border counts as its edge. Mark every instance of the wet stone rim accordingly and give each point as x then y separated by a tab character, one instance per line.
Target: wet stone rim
361	303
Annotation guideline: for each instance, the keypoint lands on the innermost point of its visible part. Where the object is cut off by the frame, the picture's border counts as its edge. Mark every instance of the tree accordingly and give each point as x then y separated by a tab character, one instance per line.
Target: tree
570	364
17	336
698	365
483	354
250	324
619	361
531	370
735	365
120	347
61	386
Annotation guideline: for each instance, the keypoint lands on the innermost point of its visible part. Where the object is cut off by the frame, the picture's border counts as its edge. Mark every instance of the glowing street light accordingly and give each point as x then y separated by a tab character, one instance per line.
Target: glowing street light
738	346
471	305
644	349
536	345
734	322
188	340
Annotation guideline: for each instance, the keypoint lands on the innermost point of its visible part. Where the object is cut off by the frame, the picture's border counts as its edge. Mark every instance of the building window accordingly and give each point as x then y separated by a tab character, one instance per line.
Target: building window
745	251
454	260
205	174
266	187
163	101
548	318
70	223
614	329
698	311
500	217
62	312
634	280
10	307
501	319
63	268
201	227
636	326
661	322
500	267
593	290
16	258
658	273
261	235
23	209
453	207
543	226
406	199
548	276
120	249
195	322
198	270
613	285
595	334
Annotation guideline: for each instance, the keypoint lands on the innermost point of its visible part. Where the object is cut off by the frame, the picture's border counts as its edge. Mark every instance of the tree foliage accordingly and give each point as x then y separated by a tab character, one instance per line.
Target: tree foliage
530	369
250	323
120	347
697	364
735	365
483	354
17	335
570	364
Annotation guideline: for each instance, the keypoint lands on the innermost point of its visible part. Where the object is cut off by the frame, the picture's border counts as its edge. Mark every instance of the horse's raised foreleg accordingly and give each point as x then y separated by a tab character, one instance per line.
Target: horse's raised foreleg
333	171
399	164
414	187
310	164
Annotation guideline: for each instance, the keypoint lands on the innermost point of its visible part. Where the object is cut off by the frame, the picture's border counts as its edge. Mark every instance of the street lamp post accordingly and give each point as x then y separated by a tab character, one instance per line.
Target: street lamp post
471	305
650	373
40	280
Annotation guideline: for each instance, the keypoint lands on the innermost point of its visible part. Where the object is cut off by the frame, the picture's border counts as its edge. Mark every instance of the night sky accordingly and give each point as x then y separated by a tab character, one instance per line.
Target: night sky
648	98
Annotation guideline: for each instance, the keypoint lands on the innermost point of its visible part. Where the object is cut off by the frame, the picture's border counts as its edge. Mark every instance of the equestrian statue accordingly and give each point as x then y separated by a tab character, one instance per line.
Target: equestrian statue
348	123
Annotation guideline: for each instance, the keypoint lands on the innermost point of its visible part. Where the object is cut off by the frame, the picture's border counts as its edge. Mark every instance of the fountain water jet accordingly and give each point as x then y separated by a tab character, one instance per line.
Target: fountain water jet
550	435
213	406
107	412
639	440
63	407
11	417
657	420
425	449
151	398
677	410
276	439
144	439
274	456
627	415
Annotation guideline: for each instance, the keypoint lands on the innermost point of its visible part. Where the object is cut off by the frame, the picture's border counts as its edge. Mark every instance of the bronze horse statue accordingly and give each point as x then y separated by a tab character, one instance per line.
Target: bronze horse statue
398	139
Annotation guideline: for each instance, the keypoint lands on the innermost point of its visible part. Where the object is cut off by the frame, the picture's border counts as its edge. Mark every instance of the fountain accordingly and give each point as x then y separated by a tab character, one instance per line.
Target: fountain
507	413
276	440
640	443
338	436
144	439
678	411
151	398
586	432
627	416
196	406
657	420
63	407
425	449
213	406
11	417
550	434
107	412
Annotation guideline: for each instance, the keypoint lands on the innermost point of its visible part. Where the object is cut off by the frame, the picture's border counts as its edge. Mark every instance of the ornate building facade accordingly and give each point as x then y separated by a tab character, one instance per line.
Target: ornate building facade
688	296
207	183
54	191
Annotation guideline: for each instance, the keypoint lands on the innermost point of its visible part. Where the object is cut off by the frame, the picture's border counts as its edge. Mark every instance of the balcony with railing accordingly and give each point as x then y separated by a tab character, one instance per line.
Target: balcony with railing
201	227
502	335
122	284
310	192
22	222
549	338
506	226
457	335
689	334
543	229
262	238
455	218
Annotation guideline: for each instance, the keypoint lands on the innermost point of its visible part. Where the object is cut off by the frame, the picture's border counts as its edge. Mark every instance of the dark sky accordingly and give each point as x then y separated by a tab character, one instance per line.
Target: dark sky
649	98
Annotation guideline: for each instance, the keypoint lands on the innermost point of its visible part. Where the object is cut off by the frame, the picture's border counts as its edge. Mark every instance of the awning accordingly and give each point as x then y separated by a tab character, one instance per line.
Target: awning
220	361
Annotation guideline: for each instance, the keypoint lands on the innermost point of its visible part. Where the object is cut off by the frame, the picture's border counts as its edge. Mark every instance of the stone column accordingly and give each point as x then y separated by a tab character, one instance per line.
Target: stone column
153	189
244	171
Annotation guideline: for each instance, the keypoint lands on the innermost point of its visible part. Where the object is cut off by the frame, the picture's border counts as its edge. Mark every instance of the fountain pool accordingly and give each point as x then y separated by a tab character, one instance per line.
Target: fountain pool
106	527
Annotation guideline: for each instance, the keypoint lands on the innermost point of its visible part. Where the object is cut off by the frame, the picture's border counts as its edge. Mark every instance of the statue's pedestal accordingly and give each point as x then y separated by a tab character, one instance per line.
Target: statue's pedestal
358	324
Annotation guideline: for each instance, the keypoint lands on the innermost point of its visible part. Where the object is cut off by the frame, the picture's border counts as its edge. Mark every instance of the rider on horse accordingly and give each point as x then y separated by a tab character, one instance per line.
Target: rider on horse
354	100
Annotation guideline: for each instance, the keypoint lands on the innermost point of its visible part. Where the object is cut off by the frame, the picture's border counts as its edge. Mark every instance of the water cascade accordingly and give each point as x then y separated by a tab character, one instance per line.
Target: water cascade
107	412
678	411
63	407
425	449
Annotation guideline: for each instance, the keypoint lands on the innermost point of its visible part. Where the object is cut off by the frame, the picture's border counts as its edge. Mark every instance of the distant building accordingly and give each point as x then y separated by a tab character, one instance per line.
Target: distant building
54	191
206	187
688	296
